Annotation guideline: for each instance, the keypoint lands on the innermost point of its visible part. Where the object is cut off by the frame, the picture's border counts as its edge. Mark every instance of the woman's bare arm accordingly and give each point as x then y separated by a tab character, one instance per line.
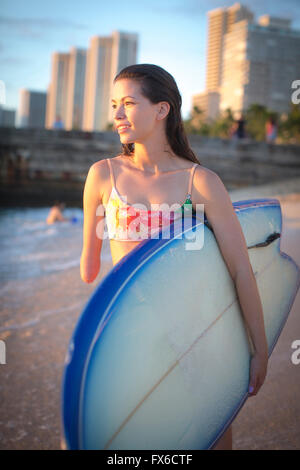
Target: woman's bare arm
93	222
229	235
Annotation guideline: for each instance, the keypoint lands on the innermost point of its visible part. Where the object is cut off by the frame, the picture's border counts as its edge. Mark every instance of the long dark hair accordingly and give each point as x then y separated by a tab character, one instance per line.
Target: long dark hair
158	85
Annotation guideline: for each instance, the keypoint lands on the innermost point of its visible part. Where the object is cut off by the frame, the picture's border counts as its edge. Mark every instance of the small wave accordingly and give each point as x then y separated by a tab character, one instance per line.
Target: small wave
62	266
31	248
40	316
36	256
18	237
45	233
31	226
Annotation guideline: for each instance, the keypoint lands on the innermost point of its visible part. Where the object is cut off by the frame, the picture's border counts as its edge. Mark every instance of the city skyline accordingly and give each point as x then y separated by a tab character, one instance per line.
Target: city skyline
250	61
80	87
168	32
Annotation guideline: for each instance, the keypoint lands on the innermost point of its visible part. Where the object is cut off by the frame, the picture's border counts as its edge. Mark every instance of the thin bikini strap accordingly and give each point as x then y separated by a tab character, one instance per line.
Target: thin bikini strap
191	180
112	176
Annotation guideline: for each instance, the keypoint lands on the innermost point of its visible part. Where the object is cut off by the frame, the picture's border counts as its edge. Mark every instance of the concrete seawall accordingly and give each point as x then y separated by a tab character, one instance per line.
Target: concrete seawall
38	166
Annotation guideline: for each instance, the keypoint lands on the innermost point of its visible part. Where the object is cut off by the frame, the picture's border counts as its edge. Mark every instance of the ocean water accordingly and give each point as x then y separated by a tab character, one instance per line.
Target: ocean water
30	248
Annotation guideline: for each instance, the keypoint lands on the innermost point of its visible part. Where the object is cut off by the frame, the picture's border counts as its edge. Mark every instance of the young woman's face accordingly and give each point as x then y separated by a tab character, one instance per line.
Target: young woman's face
131	108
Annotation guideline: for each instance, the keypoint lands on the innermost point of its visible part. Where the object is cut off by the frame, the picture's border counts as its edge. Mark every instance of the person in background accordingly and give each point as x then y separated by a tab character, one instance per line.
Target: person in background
271	129
55	214
238	129
58	123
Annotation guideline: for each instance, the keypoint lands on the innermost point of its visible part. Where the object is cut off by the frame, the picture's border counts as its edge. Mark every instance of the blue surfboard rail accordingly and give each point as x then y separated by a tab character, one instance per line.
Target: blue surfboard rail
92	320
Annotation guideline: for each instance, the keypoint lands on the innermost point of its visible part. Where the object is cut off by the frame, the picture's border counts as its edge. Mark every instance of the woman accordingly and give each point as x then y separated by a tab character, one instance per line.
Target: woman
158	166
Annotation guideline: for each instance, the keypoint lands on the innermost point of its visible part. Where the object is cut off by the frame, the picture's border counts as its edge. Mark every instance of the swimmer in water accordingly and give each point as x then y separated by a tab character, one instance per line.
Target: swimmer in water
55	214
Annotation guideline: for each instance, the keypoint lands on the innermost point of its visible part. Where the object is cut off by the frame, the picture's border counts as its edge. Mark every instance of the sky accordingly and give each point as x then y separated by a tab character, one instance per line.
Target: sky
171	34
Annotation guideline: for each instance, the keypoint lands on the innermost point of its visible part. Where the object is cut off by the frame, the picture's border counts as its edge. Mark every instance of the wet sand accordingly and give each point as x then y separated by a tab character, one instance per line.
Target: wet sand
37	320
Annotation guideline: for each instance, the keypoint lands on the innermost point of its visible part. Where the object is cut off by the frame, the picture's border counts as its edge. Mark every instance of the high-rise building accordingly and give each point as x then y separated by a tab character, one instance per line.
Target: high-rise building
220	22
75	88
274	22
260	63
248	63
7	117
32	109
124	53
208	101
106	57
79	93
97	79
56	108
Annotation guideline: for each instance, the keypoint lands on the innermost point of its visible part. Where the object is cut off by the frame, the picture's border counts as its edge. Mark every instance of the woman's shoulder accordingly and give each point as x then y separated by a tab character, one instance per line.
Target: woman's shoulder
183	163
203	173
208	183
99	177
101	167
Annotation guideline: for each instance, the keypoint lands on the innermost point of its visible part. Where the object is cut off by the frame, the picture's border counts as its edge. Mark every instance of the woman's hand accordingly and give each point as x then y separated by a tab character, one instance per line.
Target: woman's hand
258	372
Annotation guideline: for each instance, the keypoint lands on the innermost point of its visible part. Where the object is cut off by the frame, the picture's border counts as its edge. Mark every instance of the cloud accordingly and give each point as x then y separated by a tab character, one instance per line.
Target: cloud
36	27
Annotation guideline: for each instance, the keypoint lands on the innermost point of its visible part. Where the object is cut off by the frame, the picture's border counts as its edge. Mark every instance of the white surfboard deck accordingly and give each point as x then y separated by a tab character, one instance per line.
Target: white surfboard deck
160	356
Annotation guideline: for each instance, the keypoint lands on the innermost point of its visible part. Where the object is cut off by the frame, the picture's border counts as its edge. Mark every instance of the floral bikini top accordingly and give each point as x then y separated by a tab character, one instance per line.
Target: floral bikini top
125	222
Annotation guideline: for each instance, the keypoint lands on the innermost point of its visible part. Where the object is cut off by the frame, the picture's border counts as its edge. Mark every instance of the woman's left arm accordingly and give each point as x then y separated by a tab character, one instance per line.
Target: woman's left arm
210	190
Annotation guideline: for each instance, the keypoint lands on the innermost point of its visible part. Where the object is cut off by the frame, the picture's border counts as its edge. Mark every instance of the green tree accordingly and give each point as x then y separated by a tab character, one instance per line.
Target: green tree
221	127
256	117
289	126
196	124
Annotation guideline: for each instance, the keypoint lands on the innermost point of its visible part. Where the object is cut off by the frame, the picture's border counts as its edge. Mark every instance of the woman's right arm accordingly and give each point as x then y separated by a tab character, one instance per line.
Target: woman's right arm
93	222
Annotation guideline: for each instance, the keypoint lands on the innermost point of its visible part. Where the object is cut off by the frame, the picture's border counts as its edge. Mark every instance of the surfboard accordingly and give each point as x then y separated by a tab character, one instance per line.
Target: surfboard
160	356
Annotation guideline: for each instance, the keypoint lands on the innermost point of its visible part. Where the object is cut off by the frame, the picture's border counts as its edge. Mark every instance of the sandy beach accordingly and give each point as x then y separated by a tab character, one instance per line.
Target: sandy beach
39	315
